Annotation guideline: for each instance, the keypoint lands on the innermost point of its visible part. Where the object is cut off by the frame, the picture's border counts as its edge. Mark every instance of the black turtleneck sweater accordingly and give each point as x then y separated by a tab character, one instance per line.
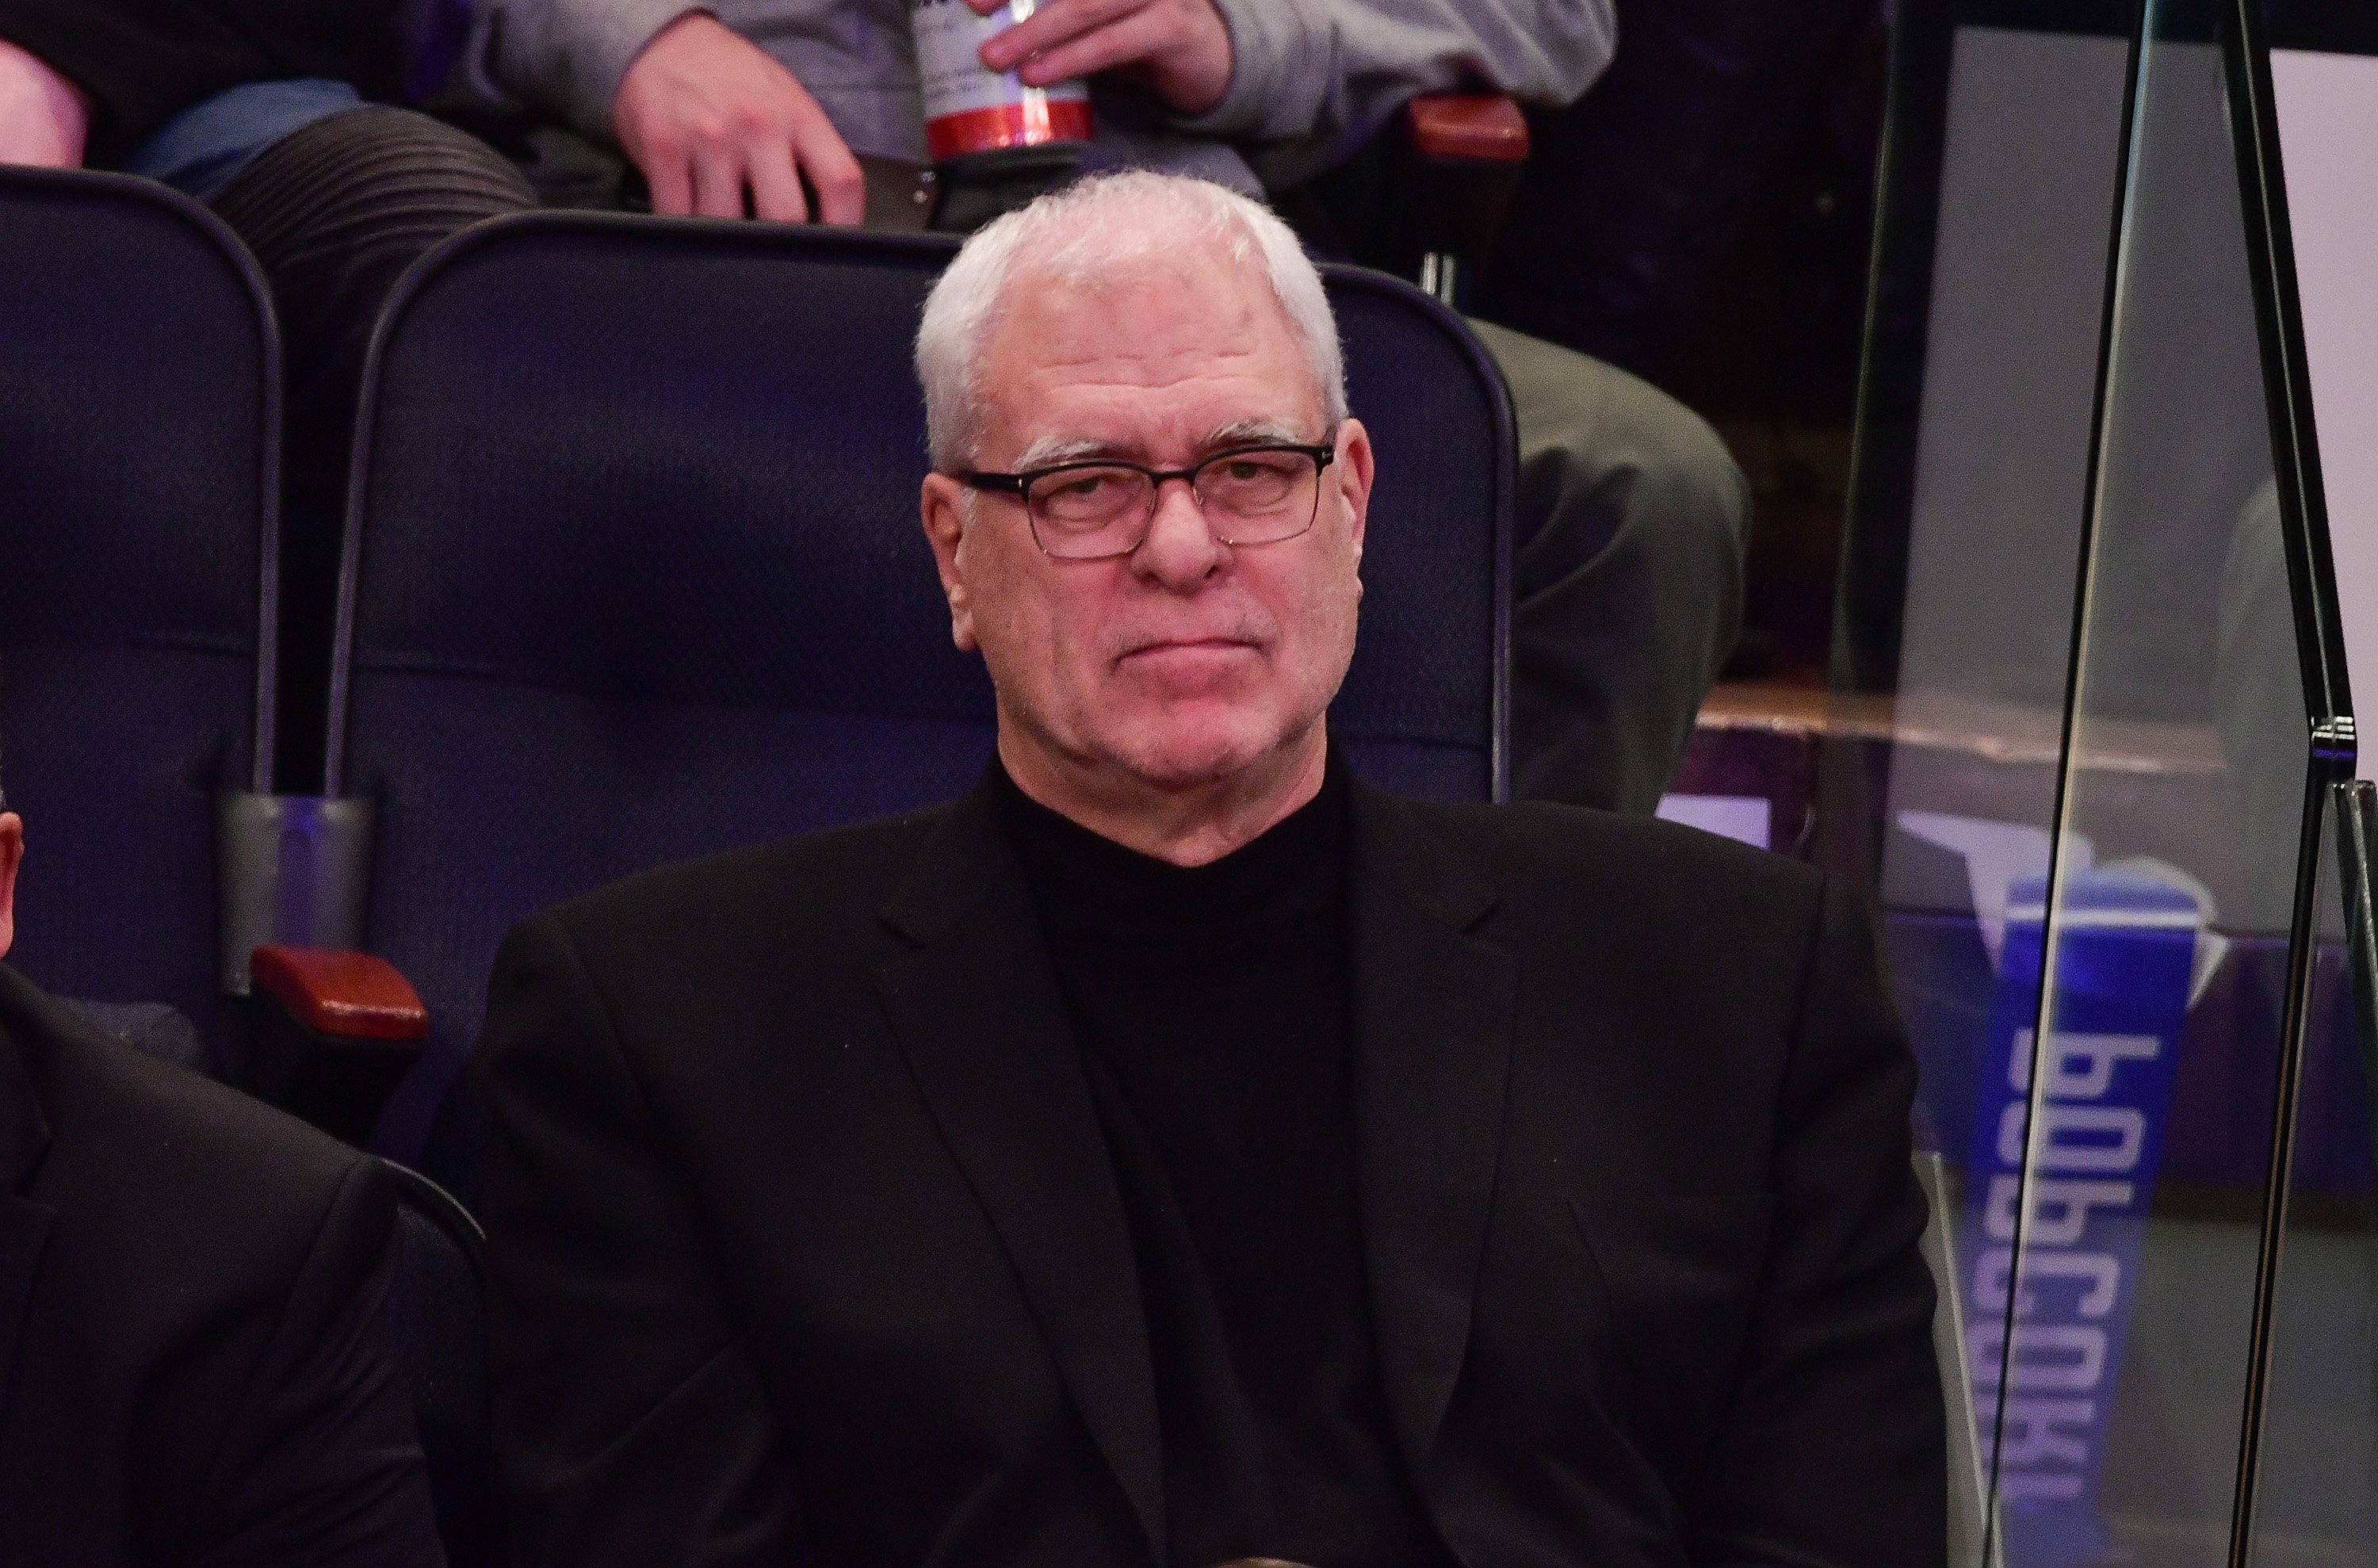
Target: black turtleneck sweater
1211	1005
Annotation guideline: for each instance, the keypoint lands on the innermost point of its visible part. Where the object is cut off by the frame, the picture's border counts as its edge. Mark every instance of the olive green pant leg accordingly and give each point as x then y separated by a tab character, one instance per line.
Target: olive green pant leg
1629	530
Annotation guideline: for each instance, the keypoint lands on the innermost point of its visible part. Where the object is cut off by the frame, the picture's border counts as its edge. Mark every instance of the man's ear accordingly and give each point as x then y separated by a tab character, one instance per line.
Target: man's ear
947	515
12	855
1353	470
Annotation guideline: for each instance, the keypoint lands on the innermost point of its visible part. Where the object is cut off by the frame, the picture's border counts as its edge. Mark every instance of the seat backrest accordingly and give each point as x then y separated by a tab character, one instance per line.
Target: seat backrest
140	419
435	1319
634	570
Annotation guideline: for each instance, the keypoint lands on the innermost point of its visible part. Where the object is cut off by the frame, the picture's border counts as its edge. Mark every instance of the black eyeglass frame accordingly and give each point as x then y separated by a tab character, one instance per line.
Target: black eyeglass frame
1019	484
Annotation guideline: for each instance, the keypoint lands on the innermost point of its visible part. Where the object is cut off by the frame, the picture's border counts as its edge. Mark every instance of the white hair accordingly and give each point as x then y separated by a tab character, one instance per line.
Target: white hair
1092	229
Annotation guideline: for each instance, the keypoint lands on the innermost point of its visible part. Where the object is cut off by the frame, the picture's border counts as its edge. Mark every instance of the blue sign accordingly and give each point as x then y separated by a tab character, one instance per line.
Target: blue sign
2084	1114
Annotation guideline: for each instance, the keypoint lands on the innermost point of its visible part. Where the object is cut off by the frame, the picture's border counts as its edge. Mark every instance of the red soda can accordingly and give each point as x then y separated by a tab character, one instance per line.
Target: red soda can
970	108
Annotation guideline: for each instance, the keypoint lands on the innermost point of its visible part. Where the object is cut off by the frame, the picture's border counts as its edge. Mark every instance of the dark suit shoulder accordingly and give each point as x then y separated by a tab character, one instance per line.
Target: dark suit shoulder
199	1372
137	1133
829	876
1626	923
1527	847
179	1202
751	925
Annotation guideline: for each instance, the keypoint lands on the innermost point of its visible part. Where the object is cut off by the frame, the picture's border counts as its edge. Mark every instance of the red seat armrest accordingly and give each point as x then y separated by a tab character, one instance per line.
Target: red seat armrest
340	994
1476	127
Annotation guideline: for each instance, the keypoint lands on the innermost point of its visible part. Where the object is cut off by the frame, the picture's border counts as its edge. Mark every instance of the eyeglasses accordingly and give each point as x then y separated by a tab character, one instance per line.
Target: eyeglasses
1095	511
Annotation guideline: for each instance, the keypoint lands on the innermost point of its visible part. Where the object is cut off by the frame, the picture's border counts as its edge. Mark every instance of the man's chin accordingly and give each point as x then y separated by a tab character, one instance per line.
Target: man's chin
1185	748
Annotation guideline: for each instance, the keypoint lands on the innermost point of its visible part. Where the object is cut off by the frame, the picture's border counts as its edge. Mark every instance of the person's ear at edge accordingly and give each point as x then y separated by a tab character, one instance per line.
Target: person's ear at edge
1353	469
947	516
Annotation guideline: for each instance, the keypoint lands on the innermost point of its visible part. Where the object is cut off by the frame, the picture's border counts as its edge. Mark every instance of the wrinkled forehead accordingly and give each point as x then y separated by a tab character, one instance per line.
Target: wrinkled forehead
1149	326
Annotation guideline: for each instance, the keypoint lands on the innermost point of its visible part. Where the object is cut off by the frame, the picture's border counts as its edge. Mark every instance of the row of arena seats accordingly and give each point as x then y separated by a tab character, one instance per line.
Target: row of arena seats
631	571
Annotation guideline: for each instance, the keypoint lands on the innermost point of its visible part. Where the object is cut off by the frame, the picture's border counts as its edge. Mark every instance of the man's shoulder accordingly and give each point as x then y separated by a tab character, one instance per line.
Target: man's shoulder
809	880
688	959
1634	894
153	1149
1525	844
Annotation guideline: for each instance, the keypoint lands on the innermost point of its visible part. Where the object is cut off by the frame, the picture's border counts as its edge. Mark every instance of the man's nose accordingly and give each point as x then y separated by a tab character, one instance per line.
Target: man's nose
1180	550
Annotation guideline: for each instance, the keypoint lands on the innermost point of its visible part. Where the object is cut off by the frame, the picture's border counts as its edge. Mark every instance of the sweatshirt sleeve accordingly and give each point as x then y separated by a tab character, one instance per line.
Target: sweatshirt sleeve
567	56
1310	80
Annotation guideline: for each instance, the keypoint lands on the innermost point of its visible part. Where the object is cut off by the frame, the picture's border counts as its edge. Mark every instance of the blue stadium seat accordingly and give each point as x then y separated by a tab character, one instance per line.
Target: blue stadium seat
140	419
633	571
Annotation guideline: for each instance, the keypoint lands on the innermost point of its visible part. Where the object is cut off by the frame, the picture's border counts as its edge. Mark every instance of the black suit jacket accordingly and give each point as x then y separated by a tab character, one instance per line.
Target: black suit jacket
803	1228
190	1365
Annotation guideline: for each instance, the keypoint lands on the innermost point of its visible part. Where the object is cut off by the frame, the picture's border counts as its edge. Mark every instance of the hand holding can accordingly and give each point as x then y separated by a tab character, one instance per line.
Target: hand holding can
1178	51
970	108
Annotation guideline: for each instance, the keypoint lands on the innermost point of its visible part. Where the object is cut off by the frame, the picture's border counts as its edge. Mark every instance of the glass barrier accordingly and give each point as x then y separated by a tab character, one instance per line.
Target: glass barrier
2117	650
1986	320
2117	1157
1973	452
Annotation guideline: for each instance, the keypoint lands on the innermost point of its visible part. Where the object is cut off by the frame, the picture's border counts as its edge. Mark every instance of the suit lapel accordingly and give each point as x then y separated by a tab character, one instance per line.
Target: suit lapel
24	1225
976	1010
1434	1013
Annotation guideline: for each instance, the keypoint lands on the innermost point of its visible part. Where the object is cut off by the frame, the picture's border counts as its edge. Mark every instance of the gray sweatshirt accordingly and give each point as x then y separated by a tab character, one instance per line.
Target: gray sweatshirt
1310	80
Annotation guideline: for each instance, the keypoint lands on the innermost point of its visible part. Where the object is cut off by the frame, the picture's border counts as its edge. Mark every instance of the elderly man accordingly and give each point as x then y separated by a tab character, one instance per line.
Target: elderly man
1631	520
191	1369
1176	1151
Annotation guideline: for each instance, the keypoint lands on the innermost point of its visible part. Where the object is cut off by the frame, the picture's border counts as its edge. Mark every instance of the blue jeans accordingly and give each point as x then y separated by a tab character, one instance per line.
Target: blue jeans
204	148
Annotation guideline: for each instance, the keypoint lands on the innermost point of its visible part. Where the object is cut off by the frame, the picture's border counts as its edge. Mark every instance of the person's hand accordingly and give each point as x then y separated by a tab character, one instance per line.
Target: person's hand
1179	50
44	117
708	116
